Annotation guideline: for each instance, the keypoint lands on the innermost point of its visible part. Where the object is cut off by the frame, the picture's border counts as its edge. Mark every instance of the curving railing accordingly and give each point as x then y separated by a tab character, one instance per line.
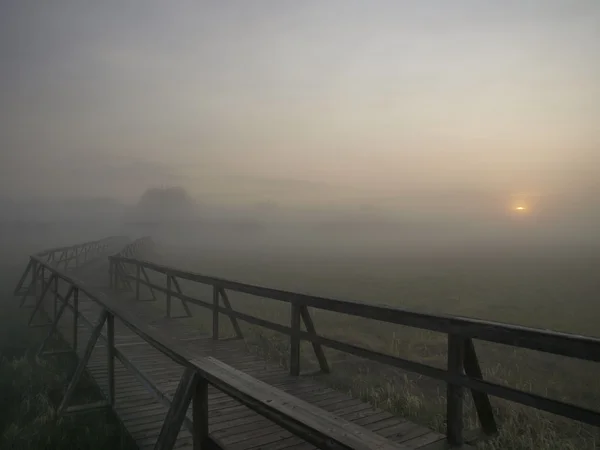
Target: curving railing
66	257
463	369
306	421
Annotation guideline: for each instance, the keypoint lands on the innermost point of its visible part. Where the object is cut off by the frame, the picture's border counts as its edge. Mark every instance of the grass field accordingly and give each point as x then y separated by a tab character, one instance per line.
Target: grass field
557	293
31	388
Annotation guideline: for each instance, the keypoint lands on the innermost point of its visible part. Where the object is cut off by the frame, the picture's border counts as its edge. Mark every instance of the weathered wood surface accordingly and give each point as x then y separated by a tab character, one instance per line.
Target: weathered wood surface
564	344
141	401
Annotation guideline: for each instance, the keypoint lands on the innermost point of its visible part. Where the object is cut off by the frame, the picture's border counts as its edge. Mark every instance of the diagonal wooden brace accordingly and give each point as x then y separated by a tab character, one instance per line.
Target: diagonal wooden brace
82	363
179	406
55	322
41	299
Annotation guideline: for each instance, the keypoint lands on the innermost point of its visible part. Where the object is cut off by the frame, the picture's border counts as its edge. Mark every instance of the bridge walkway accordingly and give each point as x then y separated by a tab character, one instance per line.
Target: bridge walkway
142	398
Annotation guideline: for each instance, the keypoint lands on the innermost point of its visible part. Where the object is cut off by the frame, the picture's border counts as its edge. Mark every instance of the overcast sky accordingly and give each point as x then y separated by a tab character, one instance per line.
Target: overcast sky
302	101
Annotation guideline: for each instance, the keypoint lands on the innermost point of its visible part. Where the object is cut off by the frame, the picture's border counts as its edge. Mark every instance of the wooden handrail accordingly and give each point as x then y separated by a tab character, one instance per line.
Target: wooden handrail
65	256
81	244
306	421
463	370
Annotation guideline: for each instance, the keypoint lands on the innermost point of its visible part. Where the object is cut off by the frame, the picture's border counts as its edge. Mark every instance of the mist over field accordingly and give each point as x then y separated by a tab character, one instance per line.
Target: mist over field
438	156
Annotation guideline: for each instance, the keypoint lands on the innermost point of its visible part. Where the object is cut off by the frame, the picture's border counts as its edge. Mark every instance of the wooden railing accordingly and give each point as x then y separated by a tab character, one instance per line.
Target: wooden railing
135	249
463	369
306	421
66	258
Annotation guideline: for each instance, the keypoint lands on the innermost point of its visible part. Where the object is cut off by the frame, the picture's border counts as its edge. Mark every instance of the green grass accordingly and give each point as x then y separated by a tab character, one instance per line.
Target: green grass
31	389
540	292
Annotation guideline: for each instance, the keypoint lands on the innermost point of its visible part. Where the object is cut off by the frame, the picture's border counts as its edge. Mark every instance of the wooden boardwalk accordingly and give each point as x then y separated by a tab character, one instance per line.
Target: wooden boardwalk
141	403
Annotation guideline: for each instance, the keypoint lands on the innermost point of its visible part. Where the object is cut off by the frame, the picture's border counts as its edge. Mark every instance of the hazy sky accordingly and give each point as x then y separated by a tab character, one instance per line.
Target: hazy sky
302	101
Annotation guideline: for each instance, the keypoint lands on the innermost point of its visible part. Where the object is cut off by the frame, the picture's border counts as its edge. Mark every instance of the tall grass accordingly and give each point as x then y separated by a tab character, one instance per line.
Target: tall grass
31	389
548	294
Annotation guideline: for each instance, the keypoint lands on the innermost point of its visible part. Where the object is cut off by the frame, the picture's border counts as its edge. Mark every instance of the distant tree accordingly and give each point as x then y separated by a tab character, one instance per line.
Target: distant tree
165	203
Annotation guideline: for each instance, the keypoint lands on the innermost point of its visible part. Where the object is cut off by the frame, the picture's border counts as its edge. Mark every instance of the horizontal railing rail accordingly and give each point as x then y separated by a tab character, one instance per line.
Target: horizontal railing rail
135	249
462	371
306	421
66	257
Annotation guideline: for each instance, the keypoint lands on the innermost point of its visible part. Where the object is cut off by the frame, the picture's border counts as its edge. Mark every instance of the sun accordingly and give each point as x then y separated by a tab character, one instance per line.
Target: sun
520	208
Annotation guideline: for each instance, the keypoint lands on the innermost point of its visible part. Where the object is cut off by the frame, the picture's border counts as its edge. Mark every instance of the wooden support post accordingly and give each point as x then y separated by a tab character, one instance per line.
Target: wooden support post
34	273
481	399
82	363
23	277
215	313
183	302
25	295
176	414
148	281
317	348
234	322
31	289
57	317
110	351
168	296
137	282
454	396
115	276
55	295
110	272
200	415
75	318
125	280
41	299
295	341
42	278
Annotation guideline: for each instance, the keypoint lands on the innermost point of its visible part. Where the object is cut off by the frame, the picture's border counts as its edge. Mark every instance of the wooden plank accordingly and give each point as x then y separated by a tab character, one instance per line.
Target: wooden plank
87	408
327	399
292	414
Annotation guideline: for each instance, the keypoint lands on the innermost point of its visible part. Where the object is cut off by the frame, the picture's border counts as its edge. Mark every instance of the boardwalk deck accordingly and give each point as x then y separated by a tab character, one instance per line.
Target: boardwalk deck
232	424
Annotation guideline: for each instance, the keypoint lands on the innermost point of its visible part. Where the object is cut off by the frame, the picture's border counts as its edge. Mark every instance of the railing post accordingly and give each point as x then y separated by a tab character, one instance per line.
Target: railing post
137	281
34	269
82	363
295	341
75	317
200	414
42	278
215	312
110	351
116	275
483	406
454	396
55	296
110	271
317	348
168	296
